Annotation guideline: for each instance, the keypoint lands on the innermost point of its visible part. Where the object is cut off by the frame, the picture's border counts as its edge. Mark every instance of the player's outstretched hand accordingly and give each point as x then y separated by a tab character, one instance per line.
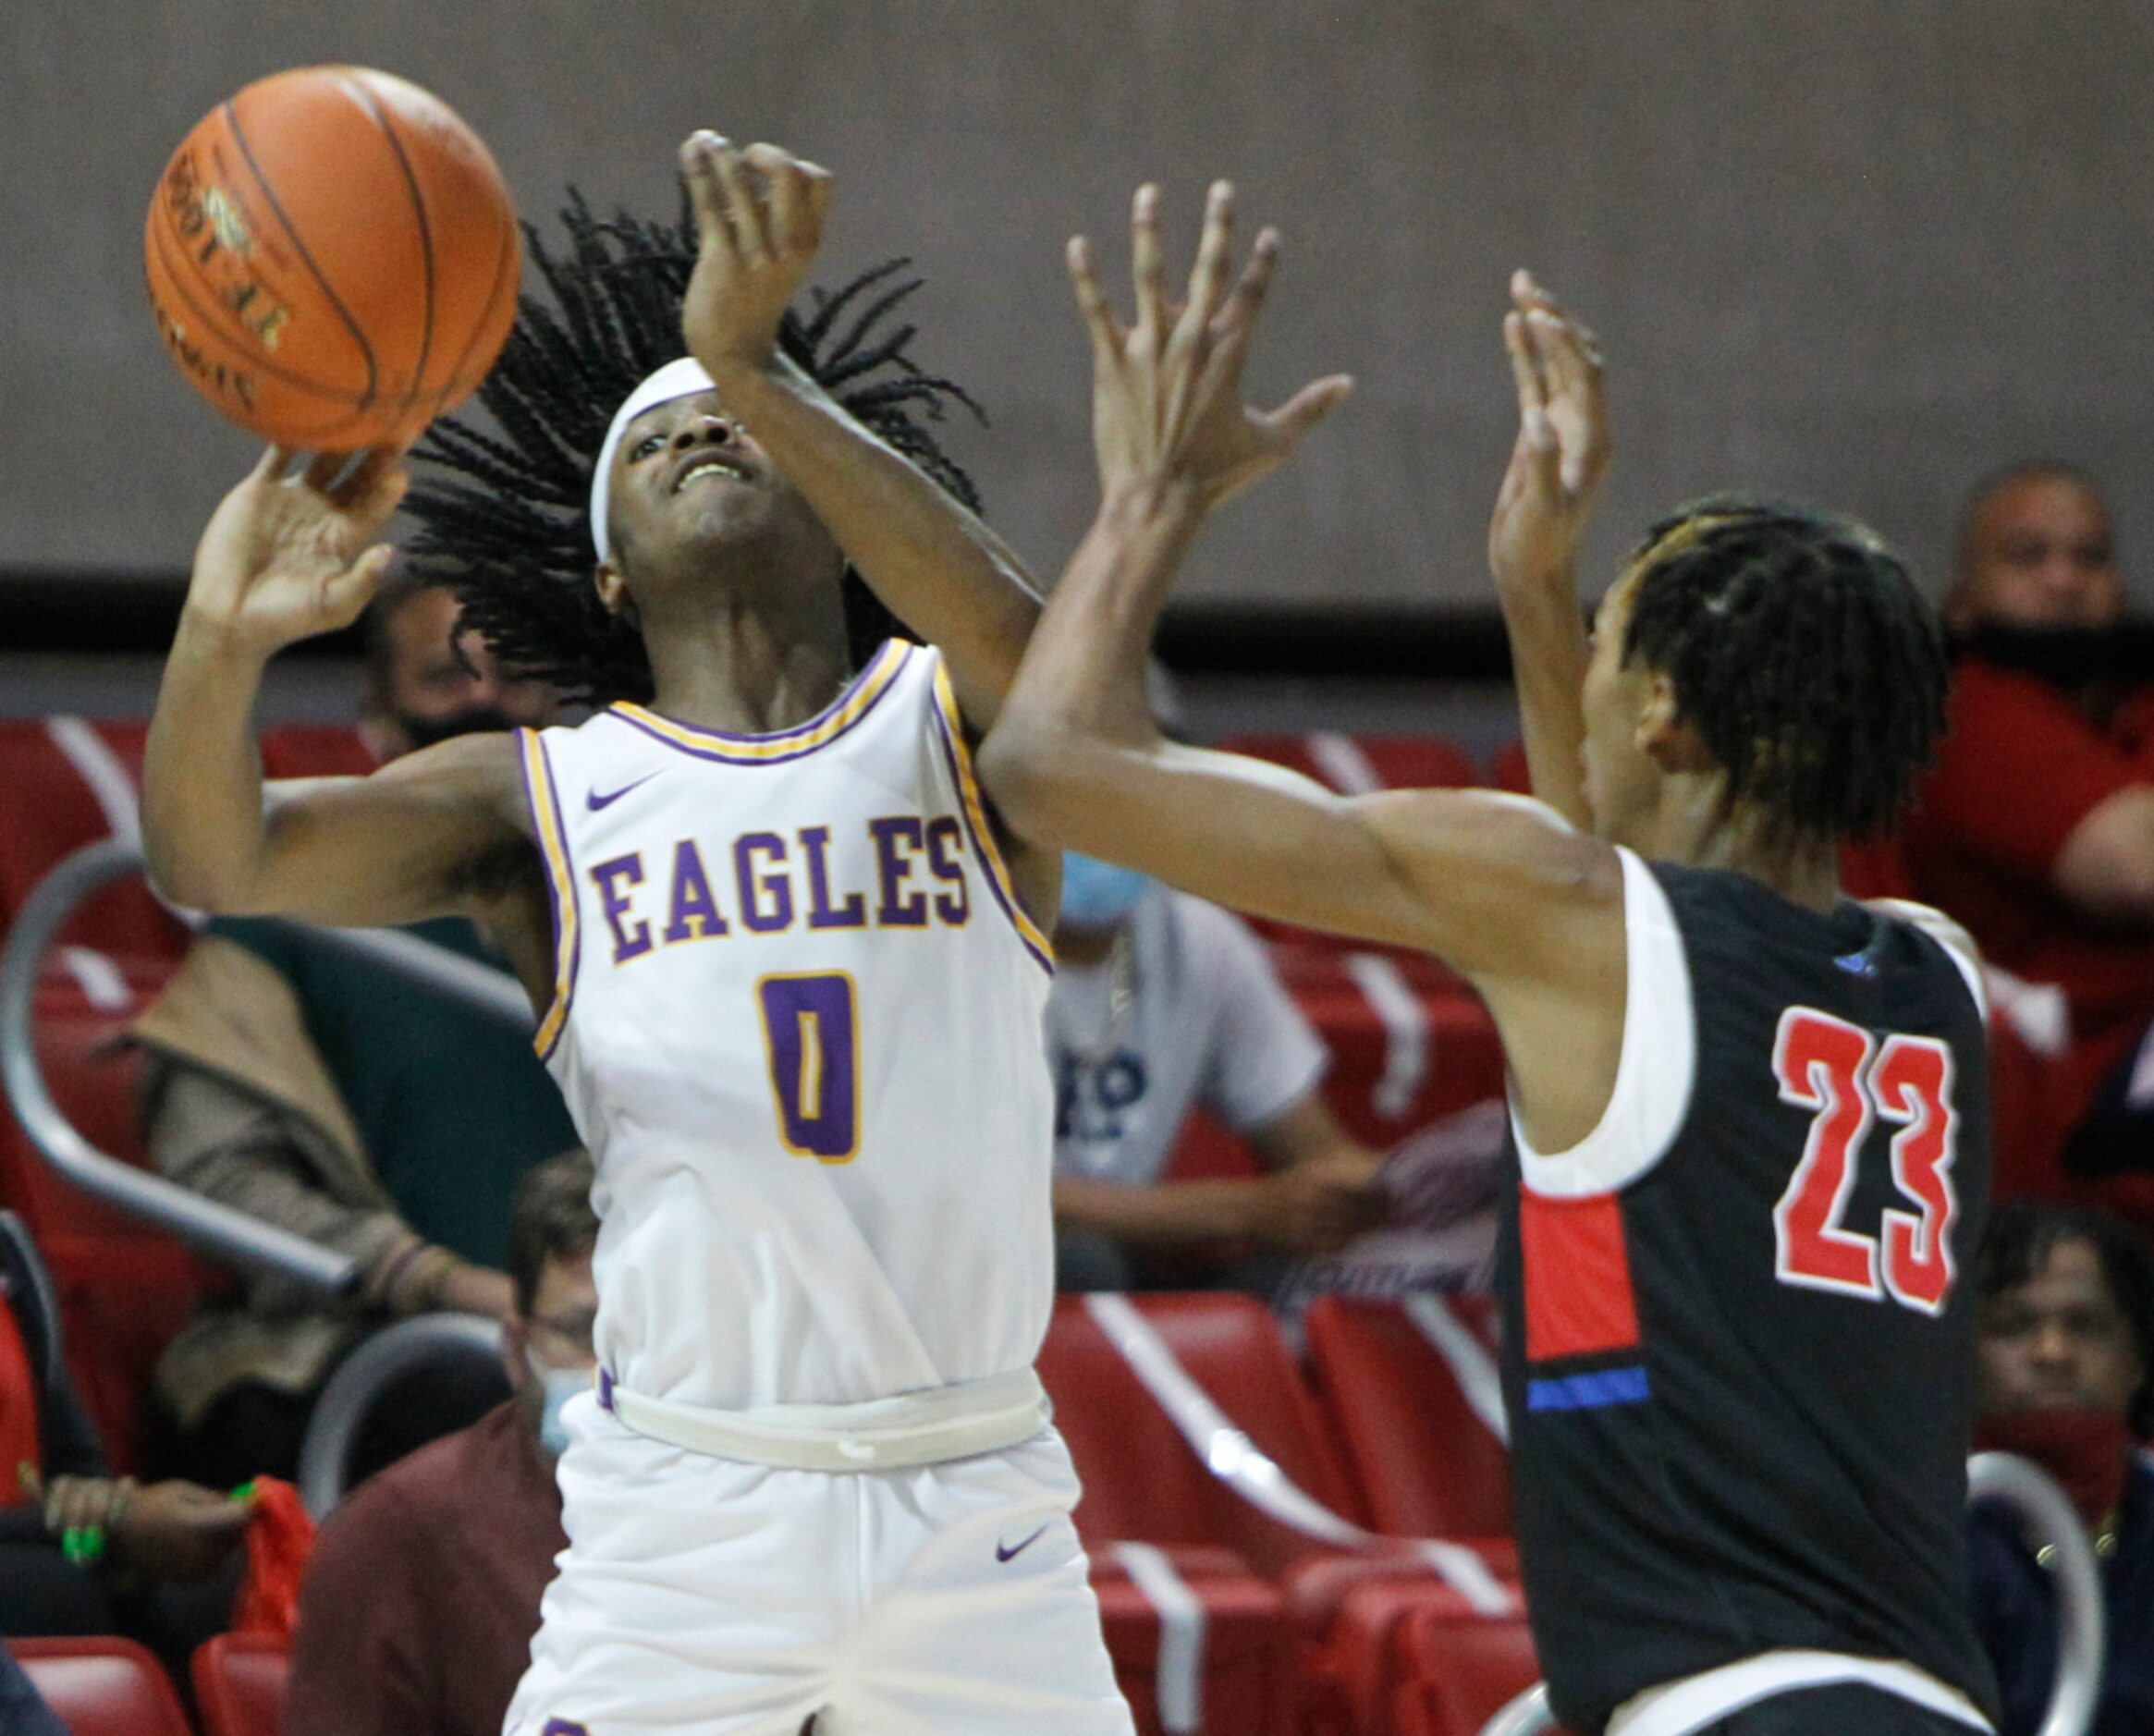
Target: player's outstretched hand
286	557
760	214
1561	451
1167	405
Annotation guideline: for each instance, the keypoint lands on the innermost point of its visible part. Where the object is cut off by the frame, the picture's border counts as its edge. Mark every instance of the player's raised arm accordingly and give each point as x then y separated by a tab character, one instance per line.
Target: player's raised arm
1489	881
284	559
1542	510
937	566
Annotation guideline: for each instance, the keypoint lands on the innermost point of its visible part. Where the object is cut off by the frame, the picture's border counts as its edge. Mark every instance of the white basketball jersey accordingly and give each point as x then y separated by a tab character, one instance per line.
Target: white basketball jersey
797	1019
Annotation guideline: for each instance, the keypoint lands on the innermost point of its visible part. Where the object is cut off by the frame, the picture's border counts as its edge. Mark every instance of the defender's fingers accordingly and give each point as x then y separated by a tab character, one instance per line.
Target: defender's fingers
1308	406
699	170
1208	275
1106	337
273	463
1239	316
367	477
743	204
1144	265
325	468
1525	373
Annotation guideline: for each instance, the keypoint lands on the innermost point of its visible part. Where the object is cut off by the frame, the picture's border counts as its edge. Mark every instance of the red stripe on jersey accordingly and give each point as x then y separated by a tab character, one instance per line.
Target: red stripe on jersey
1578	1296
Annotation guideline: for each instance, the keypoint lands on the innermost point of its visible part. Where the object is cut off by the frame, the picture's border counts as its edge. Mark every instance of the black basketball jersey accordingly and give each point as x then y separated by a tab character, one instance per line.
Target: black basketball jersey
1737	1354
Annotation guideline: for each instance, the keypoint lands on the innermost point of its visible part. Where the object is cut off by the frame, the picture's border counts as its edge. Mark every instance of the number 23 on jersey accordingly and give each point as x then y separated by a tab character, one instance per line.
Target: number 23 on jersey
1850	1080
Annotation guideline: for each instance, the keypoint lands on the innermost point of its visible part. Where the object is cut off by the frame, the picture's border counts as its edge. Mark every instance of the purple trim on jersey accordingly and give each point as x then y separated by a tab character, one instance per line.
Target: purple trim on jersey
557	838
604	1390
979	846
1594	1391
834	708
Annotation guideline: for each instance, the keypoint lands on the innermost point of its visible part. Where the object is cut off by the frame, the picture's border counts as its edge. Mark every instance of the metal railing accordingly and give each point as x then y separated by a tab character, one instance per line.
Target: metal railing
2032	1494
219	1231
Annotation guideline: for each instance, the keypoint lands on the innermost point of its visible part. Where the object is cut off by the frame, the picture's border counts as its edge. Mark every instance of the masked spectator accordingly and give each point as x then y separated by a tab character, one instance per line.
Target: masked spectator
424	1591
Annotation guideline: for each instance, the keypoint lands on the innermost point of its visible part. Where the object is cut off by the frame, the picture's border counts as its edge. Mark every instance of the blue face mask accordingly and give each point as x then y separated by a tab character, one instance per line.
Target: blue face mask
1098	894
557	1386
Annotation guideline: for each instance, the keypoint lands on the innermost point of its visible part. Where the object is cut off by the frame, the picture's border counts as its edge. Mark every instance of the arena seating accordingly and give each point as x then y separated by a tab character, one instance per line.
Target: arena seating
124	1289
65	783
1460	1669
103	1687
1419	1410
239	1685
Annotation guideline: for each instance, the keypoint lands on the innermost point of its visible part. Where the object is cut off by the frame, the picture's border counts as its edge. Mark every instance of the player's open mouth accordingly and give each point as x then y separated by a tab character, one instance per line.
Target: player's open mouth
711	466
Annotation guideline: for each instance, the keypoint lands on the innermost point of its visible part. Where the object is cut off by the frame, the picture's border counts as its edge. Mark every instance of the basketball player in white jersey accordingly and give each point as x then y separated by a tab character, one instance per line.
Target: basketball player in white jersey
790	986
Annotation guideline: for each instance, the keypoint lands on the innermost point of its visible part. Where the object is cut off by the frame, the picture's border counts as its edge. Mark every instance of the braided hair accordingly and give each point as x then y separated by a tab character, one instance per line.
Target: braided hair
1812	668
504	515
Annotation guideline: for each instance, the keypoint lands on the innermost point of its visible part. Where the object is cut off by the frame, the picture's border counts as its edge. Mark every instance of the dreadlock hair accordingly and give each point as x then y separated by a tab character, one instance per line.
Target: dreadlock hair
1812	668
505	522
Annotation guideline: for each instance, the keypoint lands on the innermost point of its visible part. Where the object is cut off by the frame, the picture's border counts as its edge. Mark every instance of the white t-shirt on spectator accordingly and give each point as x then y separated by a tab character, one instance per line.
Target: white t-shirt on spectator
1205	1022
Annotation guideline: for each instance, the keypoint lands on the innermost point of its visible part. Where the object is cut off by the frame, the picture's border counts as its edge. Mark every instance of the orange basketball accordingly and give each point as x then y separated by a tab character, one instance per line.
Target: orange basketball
333	258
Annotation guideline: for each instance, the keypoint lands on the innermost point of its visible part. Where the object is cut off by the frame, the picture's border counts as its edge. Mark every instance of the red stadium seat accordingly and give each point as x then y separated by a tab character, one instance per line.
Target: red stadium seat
1239	1678
1142	1482
314	750
123	1290
239	1685
1355	765
65	783
1412	1389
1461	1668
1408	1042
103	1687
1507	769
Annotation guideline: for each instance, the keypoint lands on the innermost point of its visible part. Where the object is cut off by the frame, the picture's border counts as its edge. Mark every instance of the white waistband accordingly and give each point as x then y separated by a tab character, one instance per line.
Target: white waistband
1674	1708
913	1428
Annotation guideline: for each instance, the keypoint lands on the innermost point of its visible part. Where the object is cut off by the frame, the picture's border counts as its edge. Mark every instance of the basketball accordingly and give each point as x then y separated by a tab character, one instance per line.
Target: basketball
333	258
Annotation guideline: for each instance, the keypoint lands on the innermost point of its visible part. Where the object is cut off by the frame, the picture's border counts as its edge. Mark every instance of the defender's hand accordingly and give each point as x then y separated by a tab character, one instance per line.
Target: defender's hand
1561	451
760	213
286	557
1167	391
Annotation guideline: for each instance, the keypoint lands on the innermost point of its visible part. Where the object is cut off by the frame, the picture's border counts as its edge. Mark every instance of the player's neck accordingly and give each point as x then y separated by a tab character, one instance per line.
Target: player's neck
1697	829
742	671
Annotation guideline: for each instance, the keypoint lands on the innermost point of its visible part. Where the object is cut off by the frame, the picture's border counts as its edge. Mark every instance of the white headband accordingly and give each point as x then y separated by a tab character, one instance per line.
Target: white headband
685	378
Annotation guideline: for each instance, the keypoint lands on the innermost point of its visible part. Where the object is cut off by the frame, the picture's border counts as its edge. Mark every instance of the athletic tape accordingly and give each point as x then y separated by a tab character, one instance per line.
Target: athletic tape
1179	1675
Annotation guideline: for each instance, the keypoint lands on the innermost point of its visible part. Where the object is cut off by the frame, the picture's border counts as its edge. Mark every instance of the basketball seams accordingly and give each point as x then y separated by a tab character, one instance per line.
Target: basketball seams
361	94
306	258
210	321
504	259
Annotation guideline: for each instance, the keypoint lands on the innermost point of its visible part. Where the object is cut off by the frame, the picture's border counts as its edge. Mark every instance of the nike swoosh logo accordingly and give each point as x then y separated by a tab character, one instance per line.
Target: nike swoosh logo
594	802
1005	1552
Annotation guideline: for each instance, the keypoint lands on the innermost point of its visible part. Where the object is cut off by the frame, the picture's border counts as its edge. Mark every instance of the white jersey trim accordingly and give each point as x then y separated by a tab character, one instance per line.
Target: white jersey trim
1675	1708
1958	944
1655	1071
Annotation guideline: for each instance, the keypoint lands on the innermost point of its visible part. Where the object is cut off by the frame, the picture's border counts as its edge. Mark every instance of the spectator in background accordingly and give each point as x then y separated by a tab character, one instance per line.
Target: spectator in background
424	1590
1163	1003
82	1551
322	1093
2035	829
2066	1349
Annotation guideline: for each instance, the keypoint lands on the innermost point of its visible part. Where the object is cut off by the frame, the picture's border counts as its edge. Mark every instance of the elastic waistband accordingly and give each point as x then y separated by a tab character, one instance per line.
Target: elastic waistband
913	1428
1675	1708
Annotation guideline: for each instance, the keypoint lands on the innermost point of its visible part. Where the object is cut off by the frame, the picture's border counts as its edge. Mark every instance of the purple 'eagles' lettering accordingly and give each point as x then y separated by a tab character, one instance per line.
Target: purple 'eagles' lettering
899	871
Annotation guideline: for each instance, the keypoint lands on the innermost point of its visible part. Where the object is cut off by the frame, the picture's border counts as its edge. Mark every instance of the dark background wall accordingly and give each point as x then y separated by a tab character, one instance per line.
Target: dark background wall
1856	250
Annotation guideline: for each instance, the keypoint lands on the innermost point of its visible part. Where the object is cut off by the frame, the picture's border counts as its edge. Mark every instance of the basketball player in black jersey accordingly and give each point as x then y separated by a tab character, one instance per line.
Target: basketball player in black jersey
1750	1115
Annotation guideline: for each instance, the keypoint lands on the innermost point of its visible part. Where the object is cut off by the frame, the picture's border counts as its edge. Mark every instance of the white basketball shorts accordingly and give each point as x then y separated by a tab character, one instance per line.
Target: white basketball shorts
728	1599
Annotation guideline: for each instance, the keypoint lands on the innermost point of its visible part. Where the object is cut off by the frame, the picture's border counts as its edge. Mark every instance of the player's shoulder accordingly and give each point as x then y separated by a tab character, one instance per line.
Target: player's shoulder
1955	942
